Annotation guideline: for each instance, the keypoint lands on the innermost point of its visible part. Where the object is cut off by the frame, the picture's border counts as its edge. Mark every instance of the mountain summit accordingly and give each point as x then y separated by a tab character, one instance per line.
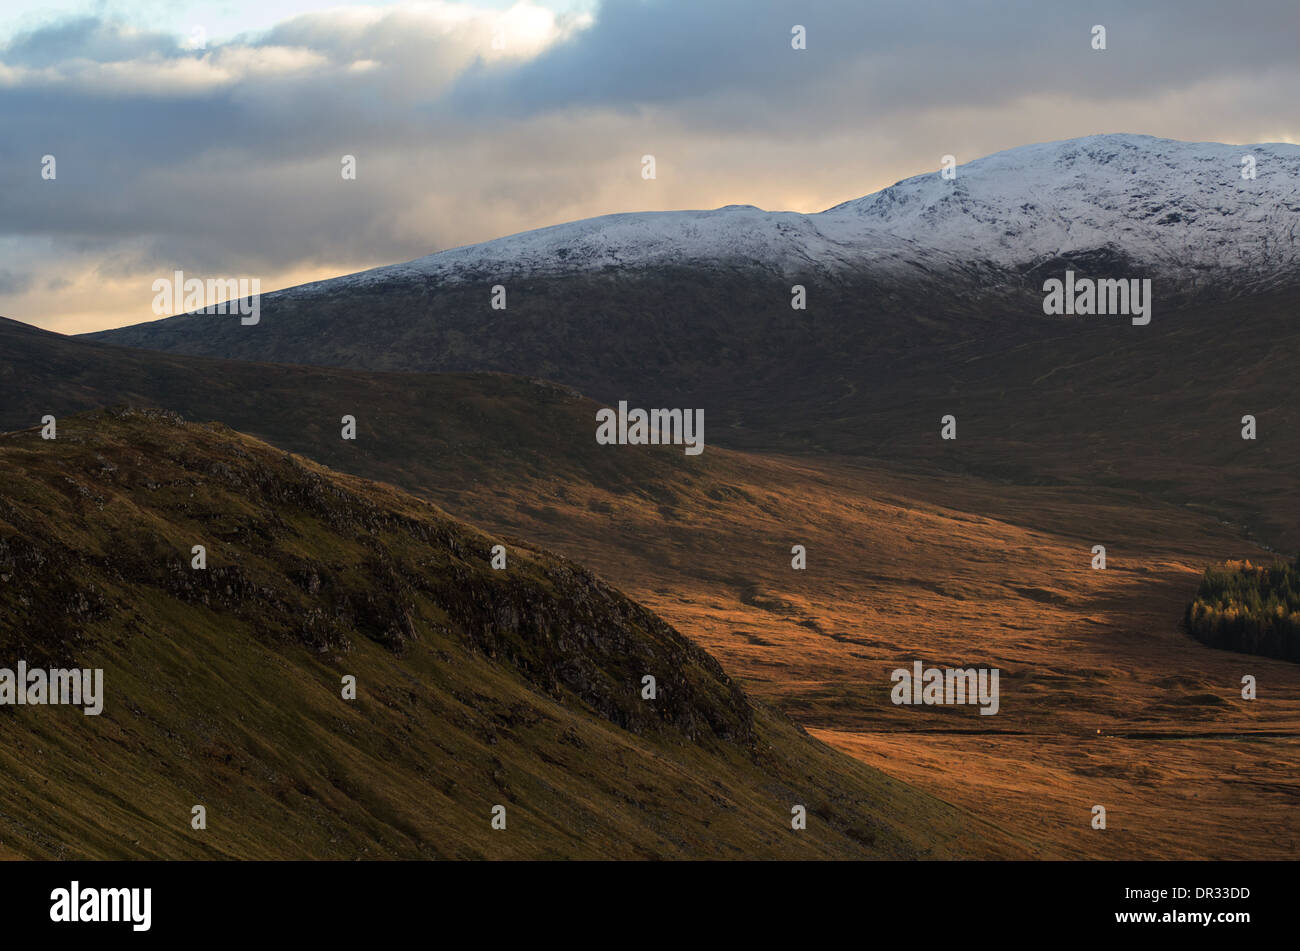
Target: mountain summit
1179	207
1189	211
666	305
1175	206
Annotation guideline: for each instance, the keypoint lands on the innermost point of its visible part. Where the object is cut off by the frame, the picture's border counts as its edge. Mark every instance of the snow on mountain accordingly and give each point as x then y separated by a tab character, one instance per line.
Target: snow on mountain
1161	202
1181	208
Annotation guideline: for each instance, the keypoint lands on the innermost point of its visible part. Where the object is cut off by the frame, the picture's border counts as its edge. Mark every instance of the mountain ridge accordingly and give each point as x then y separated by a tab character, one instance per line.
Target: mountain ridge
975	224
539	250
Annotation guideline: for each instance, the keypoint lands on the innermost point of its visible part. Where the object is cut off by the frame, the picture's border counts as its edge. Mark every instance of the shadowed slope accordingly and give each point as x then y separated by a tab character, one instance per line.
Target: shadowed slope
475	687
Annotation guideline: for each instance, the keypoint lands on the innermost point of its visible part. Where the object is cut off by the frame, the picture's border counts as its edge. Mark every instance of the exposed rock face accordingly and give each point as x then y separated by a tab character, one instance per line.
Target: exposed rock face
382	566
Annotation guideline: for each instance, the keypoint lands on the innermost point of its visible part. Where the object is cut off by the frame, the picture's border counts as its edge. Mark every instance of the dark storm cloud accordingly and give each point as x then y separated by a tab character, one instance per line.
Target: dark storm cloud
886	56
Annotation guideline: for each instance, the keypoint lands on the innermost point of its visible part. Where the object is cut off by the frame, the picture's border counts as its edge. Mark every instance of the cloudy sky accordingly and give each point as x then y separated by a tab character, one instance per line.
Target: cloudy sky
209	137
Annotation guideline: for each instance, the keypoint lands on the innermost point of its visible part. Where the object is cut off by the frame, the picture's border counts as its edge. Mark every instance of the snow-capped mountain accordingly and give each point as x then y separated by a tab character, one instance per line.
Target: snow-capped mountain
1165	204
925	263
1181	209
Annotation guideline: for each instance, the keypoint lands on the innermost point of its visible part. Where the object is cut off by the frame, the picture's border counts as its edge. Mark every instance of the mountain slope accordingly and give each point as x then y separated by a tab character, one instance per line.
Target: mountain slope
1181	209
911	554
475	687
698	313
1155	408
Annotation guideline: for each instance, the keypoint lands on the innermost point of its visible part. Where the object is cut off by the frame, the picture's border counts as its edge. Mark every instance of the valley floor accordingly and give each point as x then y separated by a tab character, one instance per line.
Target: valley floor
1104	700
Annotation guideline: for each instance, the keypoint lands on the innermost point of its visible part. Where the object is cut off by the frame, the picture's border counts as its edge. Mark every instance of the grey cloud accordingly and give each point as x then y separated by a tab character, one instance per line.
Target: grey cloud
884	56
11	283
84	38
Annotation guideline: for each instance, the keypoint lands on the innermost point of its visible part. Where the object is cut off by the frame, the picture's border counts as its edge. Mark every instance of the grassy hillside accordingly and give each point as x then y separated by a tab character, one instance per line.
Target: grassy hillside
476	687
1155	410
868	370
922	553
